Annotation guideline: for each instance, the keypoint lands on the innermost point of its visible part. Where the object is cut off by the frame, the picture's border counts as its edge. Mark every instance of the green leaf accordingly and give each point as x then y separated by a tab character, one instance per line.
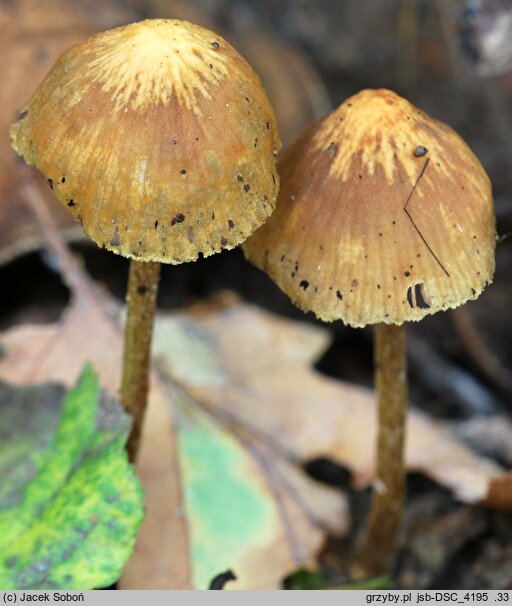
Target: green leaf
228	507
306	579
70	504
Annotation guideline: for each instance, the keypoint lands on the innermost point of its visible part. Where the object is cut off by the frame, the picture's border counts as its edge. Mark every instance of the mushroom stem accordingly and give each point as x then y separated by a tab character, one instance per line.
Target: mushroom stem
377	548
141	301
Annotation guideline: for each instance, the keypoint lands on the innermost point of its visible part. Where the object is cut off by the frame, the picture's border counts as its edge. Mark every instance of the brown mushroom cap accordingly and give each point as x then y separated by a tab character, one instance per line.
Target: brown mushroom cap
384	215
159	138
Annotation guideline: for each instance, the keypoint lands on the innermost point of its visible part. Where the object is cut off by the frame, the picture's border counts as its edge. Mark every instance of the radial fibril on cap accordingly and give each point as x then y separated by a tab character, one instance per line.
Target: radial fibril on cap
167	58
379	128
384	215
158	137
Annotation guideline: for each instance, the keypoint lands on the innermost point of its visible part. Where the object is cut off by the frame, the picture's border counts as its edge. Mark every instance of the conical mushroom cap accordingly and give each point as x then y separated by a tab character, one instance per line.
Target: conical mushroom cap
384	215
159	138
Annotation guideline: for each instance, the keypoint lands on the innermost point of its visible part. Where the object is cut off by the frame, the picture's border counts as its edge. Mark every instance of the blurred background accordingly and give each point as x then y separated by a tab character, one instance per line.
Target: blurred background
453	59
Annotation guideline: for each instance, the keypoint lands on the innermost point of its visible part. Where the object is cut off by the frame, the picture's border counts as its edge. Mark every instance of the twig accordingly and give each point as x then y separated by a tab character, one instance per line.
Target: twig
73	275
255	442
478	350
441	376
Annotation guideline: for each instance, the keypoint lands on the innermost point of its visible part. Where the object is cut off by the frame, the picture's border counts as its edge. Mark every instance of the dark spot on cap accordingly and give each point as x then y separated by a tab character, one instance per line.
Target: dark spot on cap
283	257
255	141
339	295
223	241
190	234
420	151
178	219
230	224
142	290
183	171
50	183
215	44
156	224
332	149
417	298
304	284
63	180
267	125
213	215
115	240
247	187
240	179
174	142
274	179
421	299
407	274
22	114
71	203
409	297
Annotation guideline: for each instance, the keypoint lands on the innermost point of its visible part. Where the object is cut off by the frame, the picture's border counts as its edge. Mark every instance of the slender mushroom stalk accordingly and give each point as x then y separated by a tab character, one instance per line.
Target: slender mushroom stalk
141	308
160	139
377	548
384	216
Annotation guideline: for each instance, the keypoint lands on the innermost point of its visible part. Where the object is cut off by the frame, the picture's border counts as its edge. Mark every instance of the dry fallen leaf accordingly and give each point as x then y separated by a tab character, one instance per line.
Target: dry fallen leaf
248	409
269	386
254	512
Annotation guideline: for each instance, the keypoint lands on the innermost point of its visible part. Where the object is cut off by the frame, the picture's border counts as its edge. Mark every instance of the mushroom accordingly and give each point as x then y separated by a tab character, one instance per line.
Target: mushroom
384	216
159	138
